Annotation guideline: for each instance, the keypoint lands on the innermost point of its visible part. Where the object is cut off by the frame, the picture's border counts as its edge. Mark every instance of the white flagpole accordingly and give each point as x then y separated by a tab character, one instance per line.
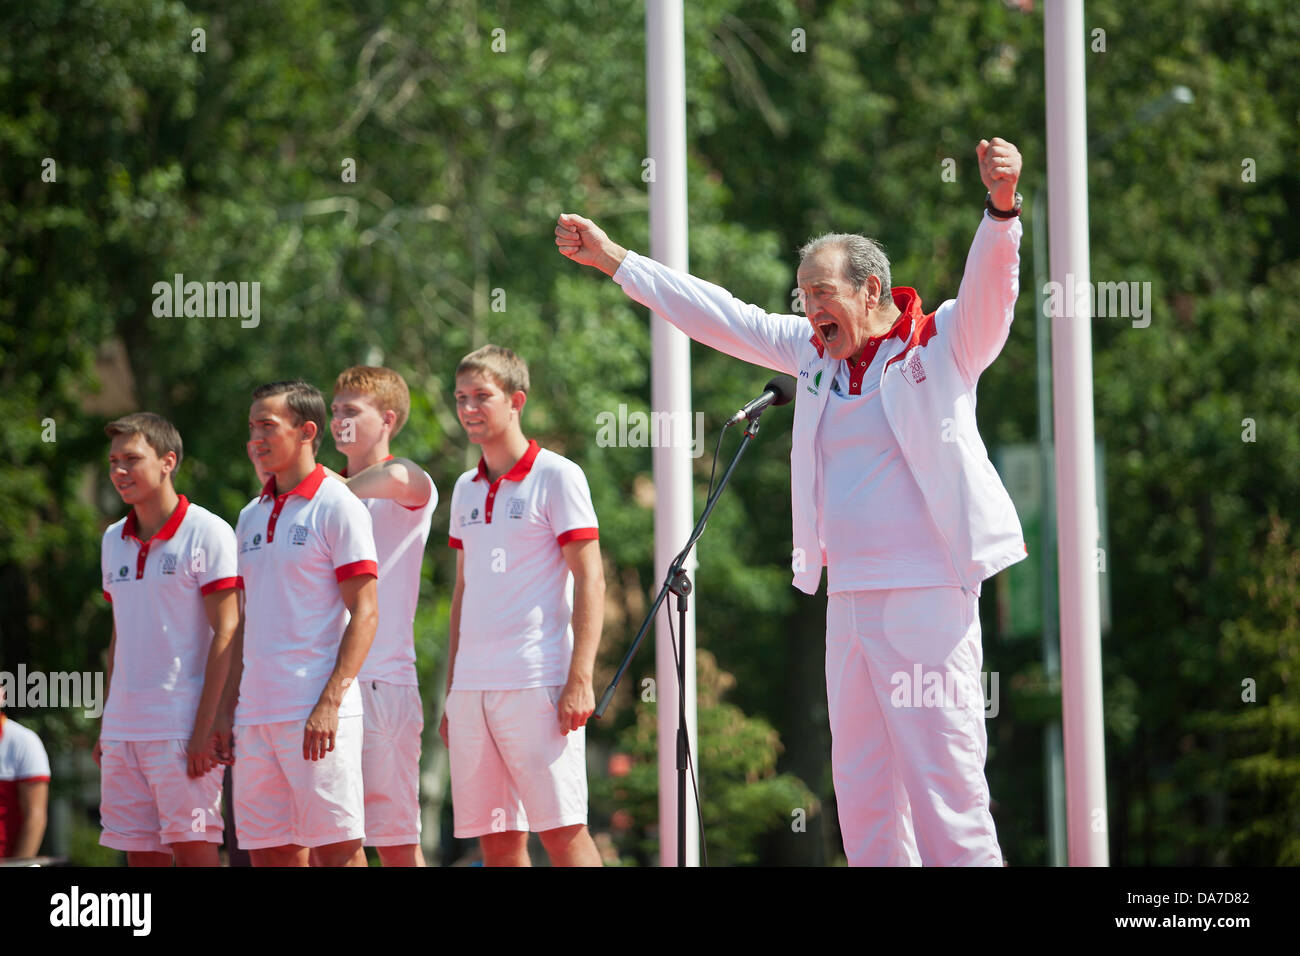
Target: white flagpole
670	393
1067	207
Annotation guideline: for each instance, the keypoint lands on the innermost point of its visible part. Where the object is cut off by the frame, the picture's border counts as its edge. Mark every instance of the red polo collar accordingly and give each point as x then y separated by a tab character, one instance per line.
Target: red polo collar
131	529
909	305
517	473
307	487
520	469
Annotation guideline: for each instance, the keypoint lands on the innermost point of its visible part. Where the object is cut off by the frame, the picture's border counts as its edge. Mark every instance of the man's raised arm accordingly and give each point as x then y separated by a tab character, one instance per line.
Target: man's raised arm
986	301
398	479
704	311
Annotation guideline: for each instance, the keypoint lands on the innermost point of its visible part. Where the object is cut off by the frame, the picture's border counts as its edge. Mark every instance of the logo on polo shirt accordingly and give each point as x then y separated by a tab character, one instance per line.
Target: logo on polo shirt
516	507
169	564
299	534
122	572
254	545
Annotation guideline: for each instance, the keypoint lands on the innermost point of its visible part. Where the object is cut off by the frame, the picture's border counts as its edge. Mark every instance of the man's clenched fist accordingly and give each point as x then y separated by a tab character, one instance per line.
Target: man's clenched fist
1000	165
586	243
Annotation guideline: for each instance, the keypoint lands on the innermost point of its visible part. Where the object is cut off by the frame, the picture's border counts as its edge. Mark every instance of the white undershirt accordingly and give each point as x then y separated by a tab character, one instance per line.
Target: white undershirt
875	529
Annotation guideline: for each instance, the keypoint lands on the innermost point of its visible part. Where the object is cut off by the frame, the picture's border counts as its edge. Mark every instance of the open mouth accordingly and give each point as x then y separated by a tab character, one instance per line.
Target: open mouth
830	331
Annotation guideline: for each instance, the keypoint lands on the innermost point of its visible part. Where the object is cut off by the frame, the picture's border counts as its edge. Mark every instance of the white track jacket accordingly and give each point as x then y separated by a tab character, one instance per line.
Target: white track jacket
927	392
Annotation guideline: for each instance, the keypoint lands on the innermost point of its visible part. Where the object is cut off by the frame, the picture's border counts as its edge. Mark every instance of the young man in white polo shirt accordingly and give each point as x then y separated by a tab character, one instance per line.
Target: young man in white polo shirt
307	561
370	407
24	788
169	569
525	624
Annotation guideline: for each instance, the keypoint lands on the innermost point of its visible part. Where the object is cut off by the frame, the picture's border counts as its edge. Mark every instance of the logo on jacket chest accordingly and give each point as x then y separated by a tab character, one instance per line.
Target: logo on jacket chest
913	370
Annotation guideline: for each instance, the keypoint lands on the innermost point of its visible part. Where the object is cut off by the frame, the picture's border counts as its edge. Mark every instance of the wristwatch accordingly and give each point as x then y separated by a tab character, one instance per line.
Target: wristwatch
996	213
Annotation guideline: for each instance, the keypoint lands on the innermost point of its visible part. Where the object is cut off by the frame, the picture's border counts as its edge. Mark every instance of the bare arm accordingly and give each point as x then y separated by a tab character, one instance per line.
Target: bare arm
578	700
453	642
361	596
98	750
33	799
222	609
223	750
399	479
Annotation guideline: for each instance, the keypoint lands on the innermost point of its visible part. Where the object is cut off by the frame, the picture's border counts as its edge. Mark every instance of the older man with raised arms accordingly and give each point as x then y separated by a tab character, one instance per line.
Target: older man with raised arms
893	493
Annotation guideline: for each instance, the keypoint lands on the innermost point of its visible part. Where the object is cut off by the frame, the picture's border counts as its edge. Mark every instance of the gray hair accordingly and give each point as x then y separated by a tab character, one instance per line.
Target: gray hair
863	257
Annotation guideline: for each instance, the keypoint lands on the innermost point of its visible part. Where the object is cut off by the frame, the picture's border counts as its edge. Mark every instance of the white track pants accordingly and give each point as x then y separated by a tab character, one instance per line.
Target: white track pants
907	728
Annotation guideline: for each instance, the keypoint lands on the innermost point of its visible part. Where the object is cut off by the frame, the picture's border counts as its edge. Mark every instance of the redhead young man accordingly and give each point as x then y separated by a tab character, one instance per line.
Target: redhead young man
307	562
169	570
370	407
525	624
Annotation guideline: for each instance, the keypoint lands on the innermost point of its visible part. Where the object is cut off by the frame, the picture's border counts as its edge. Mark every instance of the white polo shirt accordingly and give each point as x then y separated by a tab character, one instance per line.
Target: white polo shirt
294	550
157	588
401	534
875	529
22	760
515	616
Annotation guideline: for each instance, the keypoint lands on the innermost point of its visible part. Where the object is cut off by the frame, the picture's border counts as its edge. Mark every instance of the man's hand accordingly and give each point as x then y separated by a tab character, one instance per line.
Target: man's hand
1000	165
577	702
586	244
223	749
318	735
200	754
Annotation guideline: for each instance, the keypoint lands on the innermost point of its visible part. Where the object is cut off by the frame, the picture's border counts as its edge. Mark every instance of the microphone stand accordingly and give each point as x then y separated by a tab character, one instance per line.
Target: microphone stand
678	582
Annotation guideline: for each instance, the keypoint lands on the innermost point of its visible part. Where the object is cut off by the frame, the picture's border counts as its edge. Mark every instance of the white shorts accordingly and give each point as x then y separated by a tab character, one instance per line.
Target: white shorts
390	762
283	799
908	740
511	768
148	800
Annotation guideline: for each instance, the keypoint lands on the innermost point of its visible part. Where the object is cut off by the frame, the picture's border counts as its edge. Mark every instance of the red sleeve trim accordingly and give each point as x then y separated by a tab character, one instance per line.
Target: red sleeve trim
356	568
455	543
579	534
107	597
221	584
412	507
44	779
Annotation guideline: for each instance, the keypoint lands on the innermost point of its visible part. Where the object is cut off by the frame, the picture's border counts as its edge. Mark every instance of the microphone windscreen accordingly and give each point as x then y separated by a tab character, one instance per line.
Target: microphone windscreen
783	386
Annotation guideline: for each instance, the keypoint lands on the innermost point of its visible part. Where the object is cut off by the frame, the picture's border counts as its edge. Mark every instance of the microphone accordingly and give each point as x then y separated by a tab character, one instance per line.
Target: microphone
779	391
